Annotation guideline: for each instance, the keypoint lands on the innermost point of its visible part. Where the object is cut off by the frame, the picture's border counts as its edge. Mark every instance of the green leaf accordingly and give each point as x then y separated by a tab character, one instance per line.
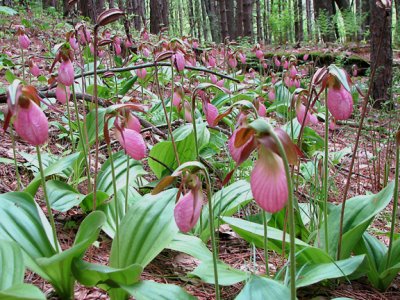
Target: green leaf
149	290
109	209
105	179
184	138
91	127
6	161
62	196
22	223
58	267
254	233
8	11
261	288
226	274
105	277
340	74
12	267
359	213
190	245
226	202
22	291
9	76
127	85
147	228
55	168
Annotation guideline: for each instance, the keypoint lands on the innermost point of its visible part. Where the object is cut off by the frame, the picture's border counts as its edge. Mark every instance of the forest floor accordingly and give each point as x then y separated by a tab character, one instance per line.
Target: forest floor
172	267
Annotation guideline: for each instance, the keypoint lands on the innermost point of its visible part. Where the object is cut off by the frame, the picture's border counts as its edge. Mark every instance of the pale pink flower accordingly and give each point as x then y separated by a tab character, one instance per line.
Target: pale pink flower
34	69
340	103
213	78
177	99
242	58
24	41
66	73
271	94
141	73
305	57
277	62
293	71
63	93
300	113
188	112
179	61
73	43
232	62
128	43
211	113
268	181
259	54
212	62
286	65
262	110
240	154
132	122
132	142
220	83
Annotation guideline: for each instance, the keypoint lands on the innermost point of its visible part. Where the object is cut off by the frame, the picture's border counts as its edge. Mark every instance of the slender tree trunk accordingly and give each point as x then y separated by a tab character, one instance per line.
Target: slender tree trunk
180	17
230	18
121	5
204	19
258	21
397	40
191	17
111	3
248	17
328	34
223	17
159	12
239	18
212	16
298	25
309	20
381	54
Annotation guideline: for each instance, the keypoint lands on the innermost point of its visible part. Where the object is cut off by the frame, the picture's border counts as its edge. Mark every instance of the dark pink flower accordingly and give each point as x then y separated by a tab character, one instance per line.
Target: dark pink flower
141	73
262	110
271	94
132	122
177	98
73	43
211	113
268	181
340	103
132	142
179	61
212	62
213	78
300	113
240	154
242	58
66	73
232	61
34	69
259	54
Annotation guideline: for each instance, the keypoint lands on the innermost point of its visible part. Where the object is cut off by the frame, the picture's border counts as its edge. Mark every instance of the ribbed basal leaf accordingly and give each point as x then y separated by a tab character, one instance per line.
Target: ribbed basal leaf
62	196
22	223
109	209
56	168
147	228
12	267
191	245
147	290
22	291
58	266
225	202
105	180
105	277
261	288
359	213
226	274
254	233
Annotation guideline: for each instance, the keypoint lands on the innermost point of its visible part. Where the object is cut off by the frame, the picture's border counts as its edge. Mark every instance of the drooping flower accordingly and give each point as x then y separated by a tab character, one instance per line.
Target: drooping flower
73	42
132	142
66	73
232	61
259	54
24	41
268	181
187	210
132	122
340	102
63	93
179	60
211	113
33	68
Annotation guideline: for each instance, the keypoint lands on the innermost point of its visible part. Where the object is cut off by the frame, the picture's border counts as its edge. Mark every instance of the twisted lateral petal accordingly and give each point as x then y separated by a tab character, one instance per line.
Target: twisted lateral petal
31	124
211	113
66	73
187	210
240	154
132	142
340	103
268	181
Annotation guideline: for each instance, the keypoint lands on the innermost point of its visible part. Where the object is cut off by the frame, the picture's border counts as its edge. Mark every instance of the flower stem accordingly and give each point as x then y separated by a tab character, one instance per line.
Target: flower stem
395	204
212	233
46	198
127	184
71	135
326	175
292	258
19	184
96	101
23	64
265	223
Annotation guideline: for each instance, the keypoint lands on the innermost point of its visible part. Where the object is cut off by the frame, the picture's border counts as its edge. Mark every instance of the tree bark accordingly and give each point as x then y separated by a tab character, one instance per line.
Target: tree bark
212	16
230	18
204	19
248	17
159	11
309	20
381	54
258	20
397	4
224	23
239	18
328	7
298	25
191	18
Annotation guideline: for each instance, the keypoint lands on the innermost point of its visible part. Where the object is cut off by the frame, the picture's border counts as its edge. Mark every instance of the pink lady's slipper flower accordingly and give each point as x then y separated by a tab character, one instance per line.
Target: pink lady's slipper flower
33	68
117	45
188	112
301	112
213	79
340	102
23	39
211	113
63	93
305	57
132	122
262	110
132	142
232	61
128	43
242	58
259	54
66	73
271	94
212	62
74	43
29	120
141	73
277	62
179	61
187	210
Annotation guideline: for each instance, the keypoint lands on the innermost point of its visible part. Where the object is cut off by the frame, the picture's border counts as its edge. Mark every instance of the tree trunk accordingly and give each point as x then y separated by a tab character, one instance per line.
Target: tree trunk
248	17
204	19
258	19
325	7
212	16
343	4
239	18
224	23
121	5
309	21
180	17
230	18
159	11
191	18
381	54
298	24
397	40
111	3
